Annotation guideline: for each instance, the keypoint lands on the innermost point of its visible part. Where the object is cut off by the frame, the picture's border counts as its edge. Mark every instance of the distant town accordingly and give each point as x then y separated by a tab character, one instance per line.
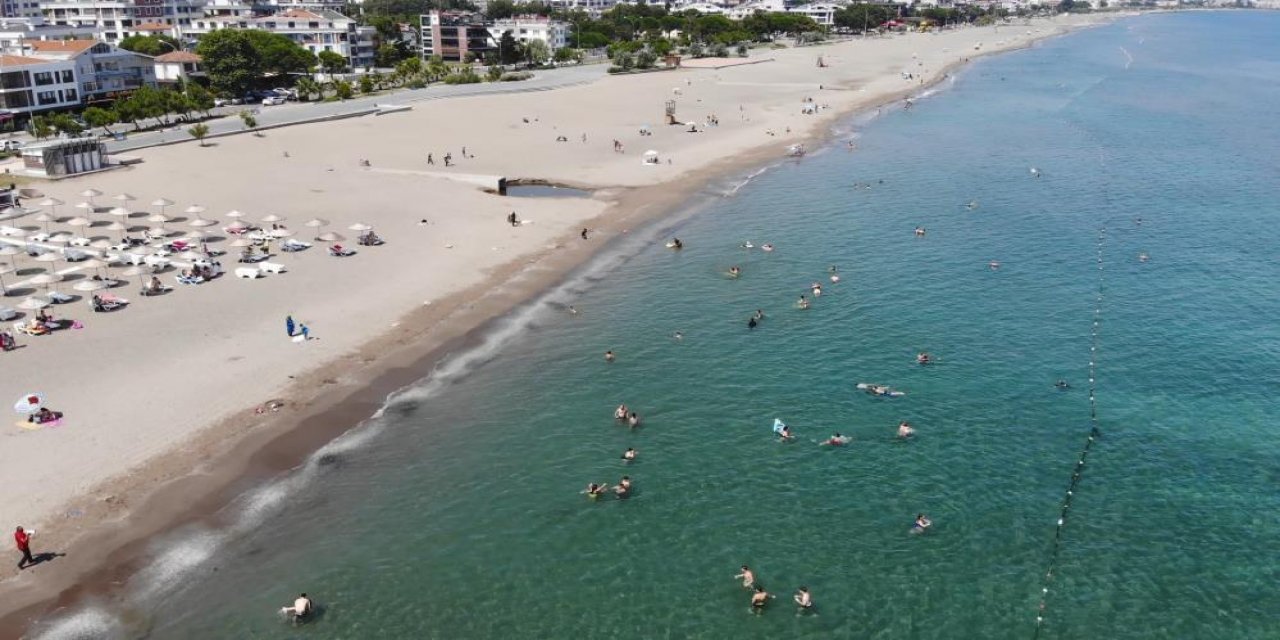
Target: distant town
70	66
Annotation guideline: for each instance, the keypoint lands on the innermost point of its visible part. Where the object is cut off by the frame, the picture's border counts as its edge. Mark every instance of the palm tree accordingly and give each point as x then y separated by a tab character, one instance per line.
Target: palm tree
306	88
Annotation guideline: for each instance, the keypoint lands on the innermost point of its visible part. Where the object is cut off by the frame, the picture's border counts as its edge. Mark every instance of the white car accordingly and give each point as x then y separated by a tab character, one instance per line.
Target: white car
10	145
272	100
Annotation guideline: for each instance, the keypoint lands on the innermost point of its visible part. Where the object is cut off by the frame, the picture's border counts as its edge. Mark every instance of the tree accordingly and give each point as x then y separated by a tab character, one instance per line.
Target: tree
98	117
564	54
41	128
250	122
199	131
332	62
343	90
537	52
508	49
278	54
493	74
499	9
387	55
198	97
645	59
230	60
150	45
437	68
307	87
366	84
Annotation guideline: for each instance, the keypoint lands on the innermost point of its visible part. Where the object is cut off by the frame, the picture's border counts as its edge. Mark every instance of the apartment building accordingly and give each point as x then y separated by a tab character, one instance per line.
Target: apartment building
114	20
455	36
31	85
525	28
315	30
103	71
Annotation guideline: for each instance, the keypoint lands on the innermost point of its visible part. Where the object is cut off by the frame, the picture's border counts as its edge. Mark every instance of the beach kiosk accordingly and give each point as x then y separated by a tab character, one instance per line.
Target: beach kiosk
64	157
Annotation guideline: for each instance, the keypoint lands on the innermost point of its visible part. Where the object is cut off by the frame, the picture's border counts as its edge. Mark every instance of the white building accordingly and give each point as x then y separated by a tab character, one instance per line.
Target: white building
30	85
746	9
103	71
15	31
114	20
823	13
20	9
526	28
593	8
314	30
178	66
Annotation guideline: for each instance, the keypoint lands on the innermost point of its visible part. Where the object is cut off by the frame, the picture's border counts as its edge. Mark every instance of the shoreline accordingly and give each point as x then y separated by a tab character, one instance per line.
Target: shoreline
340	395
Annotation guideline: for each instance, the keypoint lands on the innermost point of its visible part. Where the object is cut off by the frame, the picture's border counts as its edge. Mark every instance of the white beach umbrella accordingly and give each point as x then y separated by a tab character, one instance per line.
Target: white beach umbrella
195	209
87	206
18	211
242	242
360	226
159	218
202	222
50	202
123	197
134	271
330	237
273	218
191	256
90	194
280	233
162	203
119	212
118	226
316	223
46	279
195	235
32	303
60	237
233	214
78	222
101	243
49	256
4	268
236	225
46	219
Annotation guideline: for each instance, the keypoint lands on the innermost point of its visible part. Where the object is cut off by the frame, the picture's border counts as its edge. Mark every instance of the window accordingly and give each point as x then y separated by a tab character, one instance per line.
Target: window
13	80
71	95
47	97
68	76
43	78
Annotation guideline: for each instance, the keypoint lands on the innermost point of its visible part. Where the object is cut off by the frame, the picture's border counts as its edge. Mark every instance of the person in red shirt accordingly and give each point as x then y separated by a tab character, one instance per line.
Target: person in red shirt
23	539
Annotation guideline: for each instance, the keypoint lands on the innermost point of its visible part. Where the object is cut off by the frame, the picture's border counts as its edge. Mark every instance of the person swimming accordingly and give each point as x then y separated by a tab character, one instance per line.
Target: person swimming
803	302
630	454
1143	257
734	272
905	431
747	245
608	356
748	577
759	598
675	244
837	440
572	311
919	232
784	434
994	265
922	358
759	315
595	490
803	599
1062	384
751	323
678	335
921	524
621	412
633	420
766	247
623	489
816	288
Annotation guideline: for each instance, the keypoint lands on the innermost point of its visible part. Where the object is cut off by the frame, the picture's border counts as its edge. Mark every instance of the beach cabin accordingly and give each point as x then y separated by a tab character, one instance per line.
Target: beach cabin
64	157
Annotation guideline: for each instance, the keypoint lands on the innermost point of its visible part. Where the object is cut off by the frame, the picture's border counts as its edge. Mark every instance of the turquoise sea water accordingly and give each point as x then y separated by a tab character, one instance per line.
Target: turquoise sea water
457	513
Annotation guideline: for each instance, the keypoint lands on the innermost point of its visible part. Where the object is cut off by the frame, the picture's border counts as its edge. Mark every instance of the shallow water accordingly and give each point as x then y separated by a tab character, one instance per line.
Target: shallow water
545	191
460	516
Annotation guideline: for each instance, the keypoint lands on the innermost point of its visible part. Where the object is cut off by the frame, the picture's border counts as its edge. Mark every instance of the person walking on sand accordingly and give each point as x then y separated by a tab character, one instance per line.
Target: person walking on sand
584	233
513	219
23	540
288	325
431	160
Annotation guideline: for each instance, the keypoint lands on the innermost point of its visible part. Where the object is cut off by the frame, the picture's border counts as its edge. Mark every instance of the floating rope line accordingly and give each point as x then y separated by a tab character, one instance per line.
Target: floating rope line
1094	434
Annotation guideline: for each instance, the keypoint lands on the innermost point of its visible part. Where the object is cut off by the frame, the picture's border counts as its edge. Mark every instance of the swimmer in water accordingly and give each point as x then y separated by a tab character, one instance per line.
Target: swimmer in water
624	487
994	265
816	288
301	608
608	356
922	523
572	311
621	412
919	232
803	303
748	578
751	324
784	434
1143	257
1062	384
630	455
759	315
734	272
837	440
973	204
803	599
633	420
922	358
676	244
905	431
595	490
766	247
759	598
678	335
747	245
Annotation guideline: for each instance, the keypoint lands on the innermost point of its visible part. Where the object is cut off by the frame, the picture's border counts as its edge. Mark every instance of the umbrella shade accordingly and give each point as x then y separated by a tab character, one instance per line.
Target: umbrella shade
123	197
273	218
50	202
360	226
330	237
316	222
281	233
202	222
194	209
133	271
119	212
242	242
90	193
29	403
159	217
89	285
32	303
234	214
78	222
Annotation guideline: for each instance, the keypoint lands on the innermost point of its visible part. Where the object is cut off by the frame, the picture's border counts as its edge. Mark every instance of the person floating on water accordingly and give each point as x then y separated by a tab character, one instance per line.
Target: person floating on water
621	412
1143	257
758	316
623	489
759	598
630	454
675	244
803	302
300	610
595	490
734	271
784	434
678	335
751	323
633	420
905	431
803	599
922	358
922	524
1062	384
835	274
816	288
994	265
919	232
572	311
608	356
748	578
837	440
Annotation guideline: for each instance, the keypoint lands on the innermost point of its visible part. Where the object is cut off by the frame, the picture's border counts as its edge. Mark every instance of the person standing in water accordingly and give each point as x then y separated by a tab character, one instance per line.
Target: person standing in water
630	455
803	303
751	324
748	578
633	420
608	356
759	315
922	524
759	598
905	431
803	599
621	412
623	489
301	608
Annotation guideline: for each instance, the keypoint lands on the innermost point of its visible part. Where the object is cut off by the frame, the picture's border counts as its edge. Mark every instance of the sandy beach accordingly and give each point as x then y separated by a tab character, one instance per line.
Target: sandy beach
161	395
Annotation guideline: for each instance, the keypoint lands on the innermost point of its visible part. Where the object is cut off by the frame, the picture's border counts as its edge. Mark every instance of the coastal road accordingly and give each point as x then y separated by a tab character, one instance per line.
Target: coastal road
299	112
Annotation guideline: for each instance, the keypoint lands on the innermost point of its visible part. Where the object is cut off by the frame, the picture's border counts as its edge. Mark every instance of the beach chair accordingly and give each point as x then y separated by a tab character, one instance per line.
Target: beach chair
74	255
271	267
107	302
189	279
58	297
338	251
248	272
79	242
252	258
161	290
11	231
7	314
292	245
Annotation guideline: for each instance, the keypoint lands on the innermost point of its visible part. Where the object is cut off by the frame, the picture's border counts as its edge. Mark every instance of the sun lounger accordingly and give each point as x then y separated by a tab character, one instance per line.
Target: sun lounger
74	255
271	267
248	272
338	251
156	262
189	279
164	288
251	258
38	237
58	297
107	302
292	245
7	314
154	234
79	242
11	231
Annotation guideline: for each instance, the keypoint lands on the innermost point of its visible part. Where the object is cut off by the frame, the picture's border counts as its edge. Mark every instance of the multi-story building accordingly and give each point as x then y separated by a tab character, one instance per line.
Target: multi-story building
103	71
30	85
455	36
178	66
314	30
20	9
15	31
593	8
525	28
114	20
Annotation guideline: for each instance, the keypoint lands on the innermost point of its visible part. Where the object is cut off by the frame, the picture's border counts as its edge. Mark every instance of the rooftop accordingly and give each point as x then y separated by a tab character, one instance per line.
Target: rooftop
179	56
20	61
61	46
153	26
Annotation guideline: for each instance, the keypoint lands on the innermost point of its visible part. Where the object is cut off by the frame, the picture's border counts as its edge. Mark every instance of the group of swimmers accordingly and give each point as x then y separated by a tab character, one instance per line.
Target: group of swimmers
623	489
760	597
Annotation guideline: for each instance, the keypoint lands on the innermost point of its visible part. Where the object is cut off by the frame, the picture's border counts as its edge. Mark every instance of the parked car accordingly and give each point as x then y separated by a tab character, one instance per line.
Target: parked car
272	100
10	145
